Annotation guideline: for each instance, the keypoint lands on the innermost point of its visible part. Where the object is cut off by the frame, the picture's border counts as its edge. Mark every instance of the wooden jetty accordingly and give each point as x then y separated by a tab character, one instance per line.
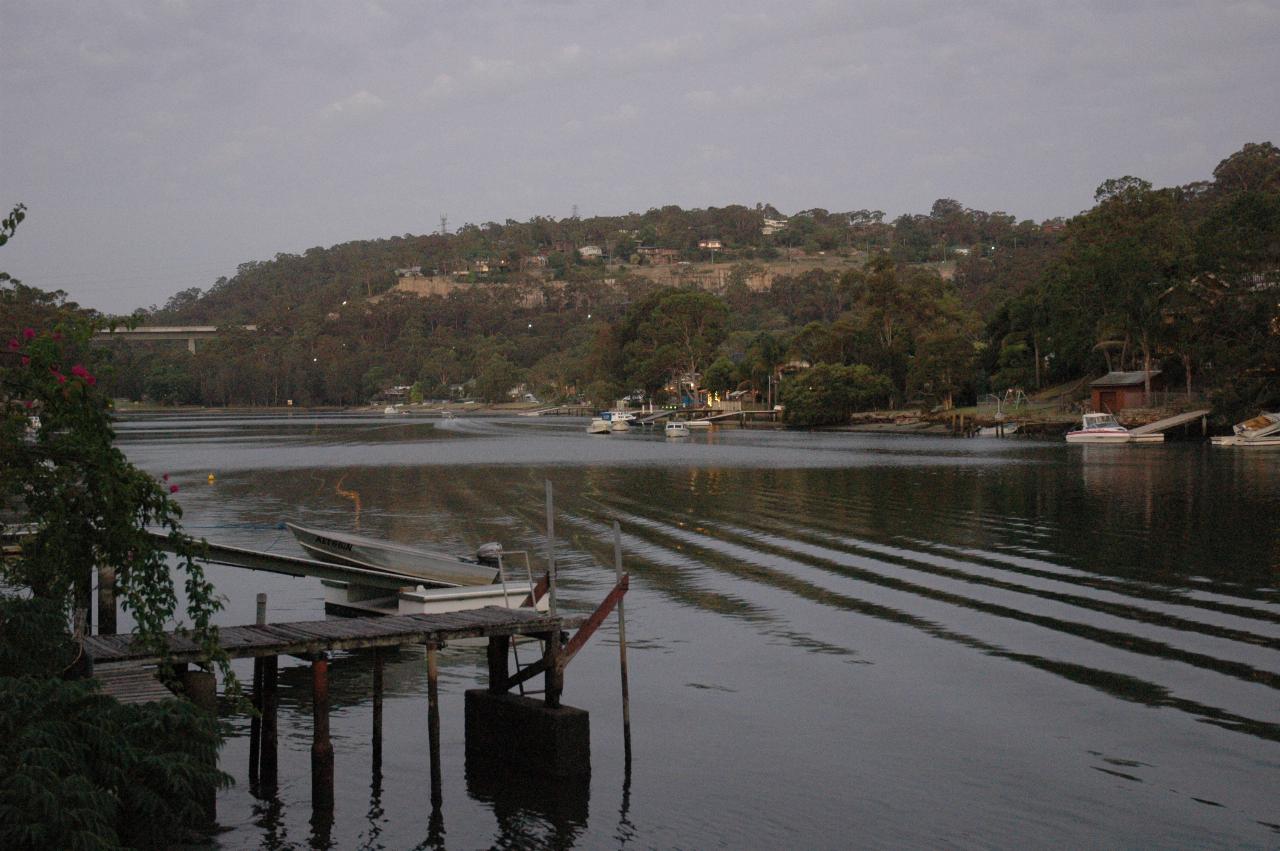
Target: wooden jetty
539	736
306	638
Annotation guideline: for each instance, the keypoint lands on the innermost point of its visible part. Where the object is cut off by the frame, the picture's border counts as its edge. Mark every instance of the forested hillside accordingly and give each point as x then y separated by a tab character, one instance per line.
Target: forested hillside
935	308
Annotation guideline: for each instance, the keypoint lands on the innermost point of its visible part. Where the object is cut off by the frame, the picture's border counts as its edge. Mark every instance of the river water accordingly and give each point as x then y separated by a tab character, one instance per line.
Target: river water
834	639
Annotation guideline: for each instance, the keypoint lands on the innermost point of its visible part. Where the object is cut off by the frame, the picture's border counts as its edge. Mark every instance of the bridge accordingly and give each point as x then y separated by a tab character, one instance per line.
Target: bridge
165	333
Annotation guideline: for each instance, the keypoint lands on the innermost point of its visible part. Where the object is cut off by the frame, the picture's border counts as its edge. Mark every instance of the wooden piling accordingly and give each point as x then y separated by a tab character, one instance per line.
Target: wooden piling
551	552
554	678
201	688
106	600
433	723
267	774
499	647
321	747
622	644
377	708
255	722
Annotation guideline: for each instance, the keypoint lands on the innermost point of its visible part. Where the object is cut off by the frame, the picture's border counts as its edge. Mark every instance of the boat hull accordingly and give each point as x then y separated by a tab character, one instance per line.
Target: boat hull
441	569
1236	440
352	599
1098	436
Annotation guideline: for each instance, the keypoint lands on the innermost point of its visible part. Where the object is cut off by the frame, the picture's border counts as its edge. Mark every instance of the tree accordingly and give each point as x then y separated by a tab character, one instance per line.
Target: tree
828	394
496	379
687	327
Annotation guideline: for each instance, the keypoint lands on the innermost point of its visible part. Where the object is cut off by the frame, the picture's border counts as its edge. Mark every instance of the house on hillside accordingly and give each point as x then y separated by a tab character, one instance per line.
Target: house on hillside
590	252
710	244
1116	391
658	256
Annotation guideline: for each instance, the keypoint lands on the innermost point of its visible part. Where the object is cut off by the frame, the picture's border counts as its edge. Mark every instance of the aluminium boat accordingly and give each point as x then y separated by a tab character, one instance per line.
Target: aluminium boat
434	568
676	428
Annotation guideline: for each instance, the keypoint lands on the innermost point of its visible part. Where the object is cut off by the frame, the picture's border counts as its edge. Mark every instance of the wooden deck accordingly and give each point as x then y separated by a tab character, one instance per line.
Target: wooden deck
309	638
130	682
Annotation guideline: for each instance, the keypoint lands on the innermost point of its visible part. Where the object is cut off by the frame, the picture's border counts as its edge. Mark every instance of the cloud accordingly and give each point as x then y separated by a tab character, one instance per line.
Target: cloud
623	114
103	56
362	102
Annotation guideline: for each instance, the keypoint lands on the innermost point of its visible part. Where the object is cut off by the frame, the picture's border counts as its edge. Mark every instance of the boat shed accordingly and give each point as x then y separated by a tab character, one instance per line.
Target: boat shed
1116	391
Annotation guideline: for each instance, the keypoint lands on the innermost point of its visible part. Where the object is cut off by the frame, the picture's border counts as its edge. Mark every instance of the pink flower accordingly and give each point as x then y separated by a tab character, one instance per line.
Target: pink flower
57	335
79	371
91	381
30	404
28	333
165	477
14	345
62	379
26	361
173	488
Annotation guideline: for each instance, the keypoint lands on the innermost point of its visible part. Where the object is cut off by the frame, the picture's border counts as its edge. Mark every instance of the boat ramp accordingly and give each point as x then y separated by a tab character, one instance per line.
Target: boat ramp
1169	423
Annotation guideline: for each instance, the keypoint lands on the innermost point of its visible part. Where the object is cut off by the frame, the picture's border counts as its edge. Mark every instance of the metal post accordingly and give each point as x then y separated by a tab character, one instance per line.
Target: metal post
551	552
622	643
321	747
255	722
433	723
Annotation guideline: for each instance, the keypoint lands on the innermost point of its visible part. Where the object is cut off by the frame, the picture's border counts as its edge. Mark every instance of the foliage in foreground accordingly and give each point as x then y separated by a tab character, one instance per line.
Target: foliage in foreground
79	769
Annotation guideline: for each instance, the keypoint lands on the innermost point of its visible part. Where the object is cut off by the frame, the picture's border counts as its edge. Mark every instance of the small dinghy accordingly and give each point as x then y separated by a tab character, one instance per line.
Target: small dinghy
435	568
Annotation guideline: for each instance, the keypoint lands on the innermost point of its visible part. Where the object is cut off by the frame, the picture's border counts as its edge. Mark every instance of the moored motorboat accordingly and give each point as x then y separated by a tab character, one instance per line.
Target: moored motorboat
699	424
675	428
598	426
1099	428
619	425
1262	430
433	567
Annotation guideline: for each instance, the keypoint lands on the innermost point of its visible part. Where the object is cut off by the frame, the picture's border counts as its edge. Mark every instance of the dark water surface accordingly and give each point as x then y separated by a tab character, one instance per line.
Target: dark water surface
835	640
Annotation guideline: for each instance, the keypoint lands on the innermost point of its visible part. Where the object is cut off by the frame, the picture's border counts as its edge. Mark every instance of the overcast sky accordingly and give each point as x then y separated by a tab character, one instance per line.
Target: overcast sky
159	144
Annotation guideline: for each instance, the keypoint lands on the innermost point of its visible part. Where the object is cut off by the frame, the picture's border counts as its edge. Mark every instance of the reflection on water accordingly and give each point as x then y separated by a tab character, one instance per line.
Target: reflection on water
914	639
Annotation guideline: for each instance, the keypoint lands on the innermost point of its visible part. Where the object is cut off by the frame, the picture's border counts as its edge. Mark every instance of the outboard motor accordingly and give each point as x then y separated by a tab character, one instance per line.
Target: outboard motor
489	553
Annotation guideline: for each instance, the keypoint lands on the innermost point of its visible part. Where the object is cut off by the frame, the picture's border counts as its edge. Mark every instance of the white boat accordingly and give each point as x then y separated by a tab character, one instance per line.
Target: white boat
1262	430
699	424
598	426
619	425
391	409
354	599
432	567
446	415
1099	428
676	429
615	416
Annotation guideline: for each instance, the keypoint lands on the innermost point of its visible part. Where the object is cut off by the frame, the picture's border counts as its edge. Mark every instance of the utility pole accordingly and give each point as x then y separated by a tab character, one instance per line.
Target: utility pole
444	224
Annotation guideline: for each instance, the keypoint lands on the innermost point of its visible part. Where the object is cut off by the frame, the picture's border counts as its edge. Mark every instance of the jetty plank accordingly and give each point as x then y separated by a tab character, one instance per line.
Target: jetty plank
130	682
311	637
